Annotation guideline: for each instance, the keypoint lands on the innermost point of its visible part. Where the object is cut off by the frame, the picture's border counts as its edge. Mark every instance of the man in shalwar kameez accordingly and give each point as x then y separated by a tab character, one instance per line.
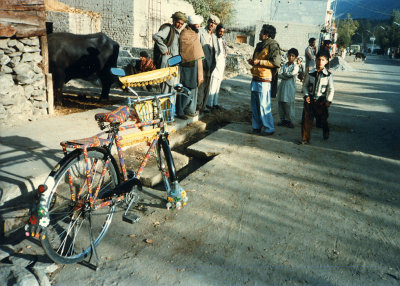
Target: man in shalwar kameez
218	73
191	67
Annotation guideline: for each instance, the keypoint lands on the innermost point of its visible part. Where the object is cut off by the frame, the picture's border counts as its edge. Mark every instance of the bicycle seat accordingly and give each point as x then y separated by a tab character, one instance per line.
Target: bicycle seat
119	115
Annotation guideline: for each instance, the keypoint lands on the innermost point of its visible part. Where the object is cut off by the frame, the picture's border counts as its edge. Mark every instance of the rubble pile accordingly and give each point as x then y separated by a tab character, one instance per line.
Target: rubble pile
236	61
339	64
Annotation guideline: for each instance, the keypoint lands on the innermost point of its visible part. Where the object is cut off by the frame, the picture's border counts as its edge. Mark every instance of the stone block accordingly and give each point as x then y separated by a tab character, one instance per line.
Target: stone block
27	57
37	58
25	278
32	41
31	49
9	50
16	54
22	68
4	59
45	267
42	278
26	78
39	84
12	43
28	89
39	94
19	261
37	69
40	104
6	69
15	61
6	82
3	44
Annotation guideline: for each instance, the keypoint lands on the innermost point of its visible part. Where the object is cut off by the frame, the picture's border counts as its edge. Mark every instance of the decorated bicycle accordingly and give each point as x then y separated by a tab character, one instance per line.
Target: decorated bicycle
76	203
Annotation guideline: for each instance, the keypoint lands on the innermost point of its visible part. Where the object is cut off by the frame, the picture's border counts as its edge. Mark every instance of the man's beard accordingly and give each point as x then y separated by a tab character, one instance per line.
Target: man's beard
193	27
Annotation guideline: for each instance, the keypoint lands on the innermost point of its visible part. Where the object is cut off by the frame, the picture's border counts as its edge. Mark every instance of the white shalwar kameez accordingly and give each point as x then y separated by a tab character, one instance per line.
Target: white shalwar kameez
217	75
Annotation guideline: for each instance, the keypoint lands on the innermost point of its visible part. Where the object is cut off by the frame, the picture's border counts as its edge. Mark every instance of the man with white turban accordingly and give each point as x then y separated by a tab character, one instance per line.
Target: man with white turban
210	47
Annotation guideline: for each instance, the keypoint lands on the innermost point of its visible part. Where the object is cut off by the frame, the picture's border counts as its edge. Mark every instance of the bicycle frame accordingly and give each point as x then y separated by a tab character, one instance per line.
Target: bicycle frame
160	137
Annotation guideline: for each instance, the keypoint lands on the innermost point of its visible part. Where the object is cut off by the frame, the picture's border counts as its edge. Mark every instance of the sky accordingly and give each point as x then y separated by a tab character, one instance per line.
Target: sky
371	9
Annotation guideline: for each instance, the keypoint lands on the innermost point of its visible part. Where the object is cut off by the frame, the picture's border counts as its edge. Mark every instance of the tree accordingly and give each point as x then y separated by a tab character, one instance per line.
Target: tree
362	35
346	29
394	29
224	9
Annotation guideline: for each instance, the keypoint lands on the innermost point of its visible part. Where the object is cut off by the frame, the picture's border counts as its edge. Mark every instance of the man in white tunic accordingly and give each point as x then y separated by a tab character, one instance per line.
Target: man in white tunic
218	73
209	42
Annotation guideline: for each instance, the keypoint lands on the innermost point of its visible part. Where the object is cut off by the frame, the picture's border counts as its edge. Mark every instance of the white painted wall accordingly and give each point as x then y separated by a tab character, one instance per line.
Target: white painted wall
132	22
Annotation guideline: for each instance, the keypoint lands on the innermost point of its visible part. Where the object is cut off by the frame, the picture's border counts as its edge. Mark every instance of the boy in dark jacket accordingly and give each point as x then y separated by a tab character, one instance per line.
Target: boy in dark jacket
318	95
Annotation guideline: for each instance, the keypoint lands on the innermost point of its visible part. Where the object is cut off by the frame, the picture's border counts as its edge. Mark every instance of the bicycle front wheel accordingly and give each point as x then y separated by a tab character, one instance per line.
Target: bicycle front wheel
74	225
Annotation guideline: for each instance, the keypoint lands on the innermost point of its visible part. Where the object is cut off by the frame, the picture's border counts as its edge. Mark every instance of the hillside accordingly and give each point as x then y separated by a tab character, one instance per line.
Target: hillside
370	9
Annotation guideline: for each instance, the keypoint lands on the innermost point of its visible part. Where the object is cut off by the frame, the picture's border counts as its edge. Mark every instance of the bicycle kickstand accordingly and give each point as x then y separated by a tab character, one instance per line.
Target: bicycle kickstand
93	252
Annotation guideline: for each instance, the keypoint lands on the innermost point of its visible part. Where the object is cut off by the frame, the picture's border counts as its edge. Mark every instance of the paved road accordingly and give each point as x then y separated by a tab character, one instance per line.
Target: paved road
266	211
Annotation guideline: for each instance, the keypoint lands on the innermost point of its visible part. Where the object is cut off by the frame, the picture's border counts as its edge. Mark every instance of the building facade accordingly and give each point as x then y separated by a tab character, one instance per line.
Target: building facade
296	21
132	22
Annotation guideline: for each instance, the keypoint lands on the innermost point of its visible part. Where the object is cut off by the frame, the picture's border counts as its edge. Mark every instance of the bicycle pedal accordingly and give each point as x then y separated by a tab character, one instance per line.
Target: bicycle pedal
131	218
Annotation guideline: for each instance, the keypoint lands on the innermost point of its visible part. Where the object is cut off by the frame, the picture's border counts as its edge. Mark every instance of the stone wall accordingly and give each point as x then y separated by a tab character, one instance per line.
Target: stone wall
22	81
74	22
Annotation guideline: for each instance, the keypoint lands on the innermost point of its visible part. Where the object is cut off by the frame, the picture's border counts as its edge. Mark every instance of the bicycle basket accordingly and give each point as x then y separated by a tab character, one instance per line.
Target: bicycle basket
147	110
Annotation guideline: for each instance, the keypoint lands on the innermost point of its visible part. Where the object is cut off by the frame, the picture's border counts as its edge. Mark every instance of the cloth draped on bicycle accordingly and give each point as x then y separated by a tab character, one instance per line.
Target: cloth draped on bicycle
150	77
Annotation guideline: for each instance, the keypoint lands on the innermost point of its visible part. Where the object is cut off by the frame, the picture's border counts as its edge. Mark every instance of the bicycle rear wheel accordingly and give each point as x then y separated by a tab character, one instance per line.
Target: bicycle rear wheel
74	226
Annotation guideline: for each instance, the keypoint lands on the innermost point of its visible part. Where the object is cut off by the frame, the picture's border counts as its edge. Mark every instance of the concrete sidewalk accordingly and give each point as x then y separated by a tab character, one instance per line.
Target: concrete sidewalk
30	151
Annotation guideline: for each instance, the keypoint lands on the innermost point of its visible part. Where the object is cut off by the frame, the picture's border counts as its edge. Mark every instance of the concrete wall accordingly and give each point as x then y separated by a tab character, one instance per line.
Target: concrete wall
74	22
293	35
132	22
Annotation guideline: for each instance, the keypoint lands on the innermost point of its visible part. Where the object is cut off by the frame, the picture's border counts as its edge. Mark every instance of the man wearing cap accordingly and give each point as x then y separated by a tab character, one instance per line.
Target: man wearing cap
210	47
167	45
192	54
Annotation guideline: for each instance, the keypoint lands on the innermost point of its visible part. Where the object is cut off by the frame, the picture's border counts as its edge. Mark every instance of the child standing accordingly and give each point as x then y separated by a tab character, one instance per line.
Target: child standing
318	94
287	89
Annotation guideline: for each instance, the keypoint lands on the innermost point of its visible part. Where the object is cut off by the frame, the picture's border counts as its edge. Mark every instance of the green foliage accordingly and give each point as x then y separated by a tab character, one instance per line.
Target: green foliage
224	9
363	33
394	29
388	33
346	29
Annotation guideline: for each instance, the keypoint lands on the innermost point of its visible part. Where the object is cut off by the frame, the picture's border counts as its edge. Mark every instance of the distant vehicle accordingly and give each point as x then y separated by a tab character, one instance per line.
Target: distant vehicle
354	49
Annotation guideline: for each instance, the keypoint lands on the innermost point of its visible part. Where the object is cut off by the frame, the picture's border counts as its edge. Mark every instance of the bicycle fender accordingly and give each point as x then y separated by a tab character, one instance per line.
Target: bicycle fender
79	152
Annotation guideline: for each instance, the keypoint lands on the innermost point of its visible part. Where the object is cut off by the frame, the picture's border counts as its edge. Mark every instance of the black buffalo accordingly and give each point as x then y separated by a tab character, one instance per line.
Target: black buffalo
360	56
79	56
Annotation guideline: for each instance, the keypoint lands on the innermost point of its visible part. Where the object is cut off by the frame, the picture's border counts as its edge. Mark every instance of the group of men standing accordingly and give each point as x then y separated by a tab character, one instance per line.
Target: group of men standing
203	55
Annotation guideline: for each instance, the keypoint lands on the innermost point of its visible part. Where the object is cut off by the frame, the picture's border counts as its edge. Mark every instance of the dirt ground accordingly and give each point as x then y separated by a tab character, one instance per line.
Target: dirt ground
266	211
